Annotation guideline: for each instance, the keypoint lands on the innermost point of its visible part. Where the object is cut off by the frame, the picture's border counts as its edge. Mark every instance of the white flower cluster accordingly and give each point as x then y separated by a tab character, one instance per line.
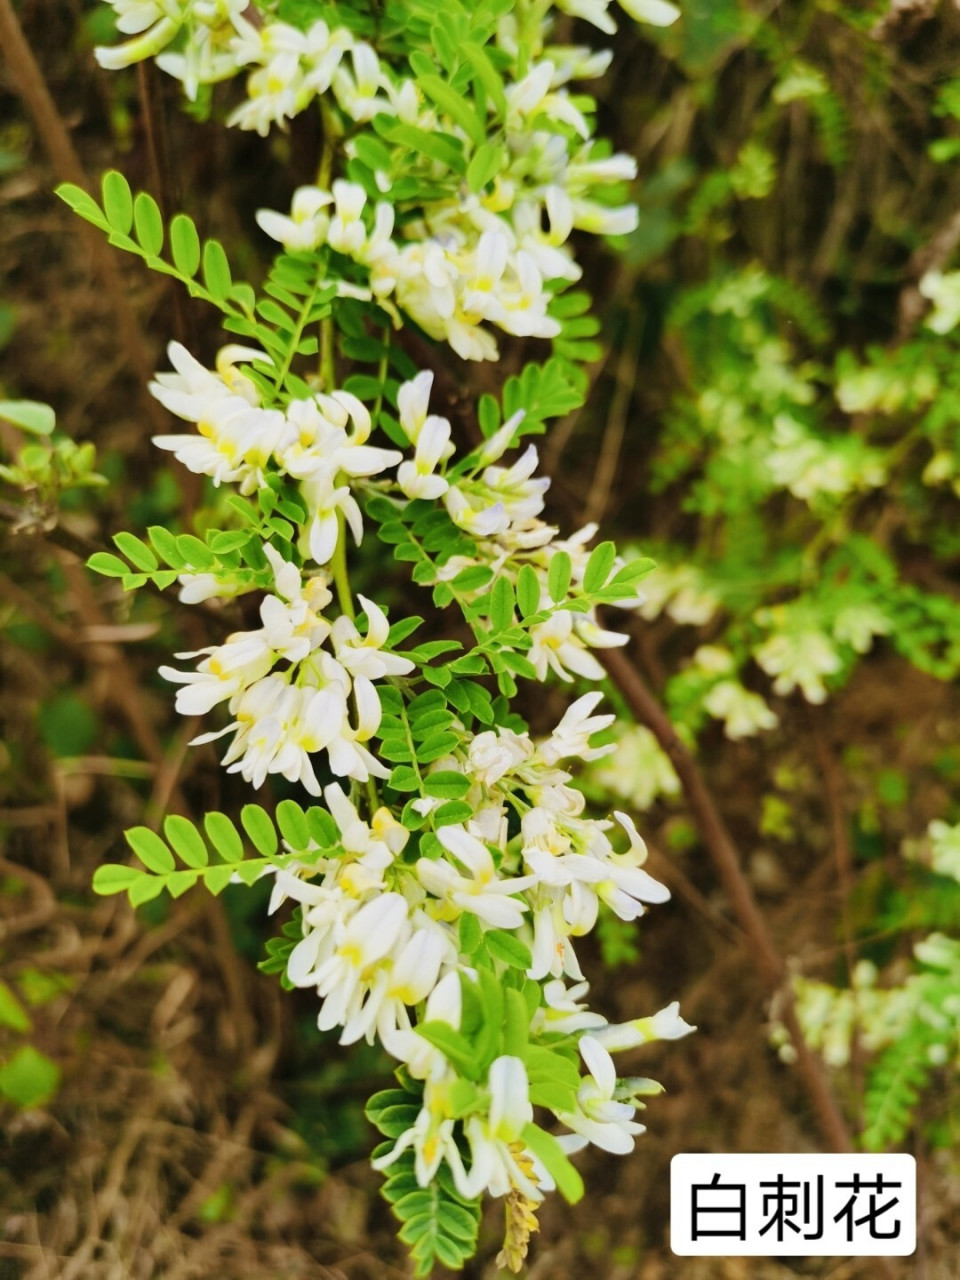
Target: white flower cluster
380	936
799	660
204	29
809	466
465	259
382	930
743	713
800	652
500	507
943	290
288	696
945	849
639	771
682	593
321	442
476	258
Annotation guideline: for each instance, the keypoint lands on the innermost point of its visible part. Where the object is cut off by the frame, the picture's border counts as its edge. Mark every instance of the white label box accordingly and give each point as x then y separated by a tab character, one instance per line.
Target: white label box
794	1205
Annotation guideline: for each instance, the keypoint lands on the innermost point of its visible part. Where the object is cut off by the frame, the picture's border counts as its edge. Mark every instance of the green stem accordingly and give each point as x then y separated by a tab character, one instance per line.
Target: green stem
413	750
339	565
345	599
294	341
327	367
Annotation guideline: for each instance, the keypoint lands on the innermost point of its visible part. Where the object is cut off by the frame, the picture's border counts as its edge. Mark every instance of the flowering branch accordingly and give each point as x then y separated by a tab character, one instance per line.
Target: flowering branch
447	865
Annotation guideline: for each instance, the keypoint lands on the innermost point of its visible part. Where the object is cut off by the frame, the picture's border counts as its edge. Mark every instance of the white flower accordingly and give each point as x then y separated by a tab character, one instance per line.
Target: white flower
562	1013
346	232
858	624
324	501
227	669
664	1025
413	401
482	520
557	647
742	712
943	290
482	893
279	726
639	770
358	93
572	735
417	478
493	1138
799	659
361	655
945	843
659	13
431	1137
601	1116
422	1060
494	753
306	227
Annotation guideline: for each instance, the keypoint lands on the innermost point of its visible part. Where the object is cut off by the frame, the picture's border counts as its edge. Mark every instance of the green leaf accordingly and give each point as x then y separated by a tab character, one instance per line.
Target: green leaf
150	849
550	1093
487	162
137	552
473	578
487	74
436	146
452	812
558	578
216	270
528	591
82	204
504	946
456	107
194	553
12	1013
404	778
185	245
598	566
551	1155
109	565
516	1029
165	545
114	877
634	570
217	878
117	201
454	1047
29	415
471	934
224	836
293	825
446	784
30	1078
145	890
148	223
260	829
186	840
323	829
502	601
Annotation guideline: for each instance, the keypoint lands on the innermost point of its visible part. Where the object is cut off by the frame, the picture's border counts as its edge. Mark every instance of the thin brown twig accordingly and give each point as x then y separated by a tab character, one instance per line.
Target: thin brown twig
723	853
29	82
665	869
606	469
